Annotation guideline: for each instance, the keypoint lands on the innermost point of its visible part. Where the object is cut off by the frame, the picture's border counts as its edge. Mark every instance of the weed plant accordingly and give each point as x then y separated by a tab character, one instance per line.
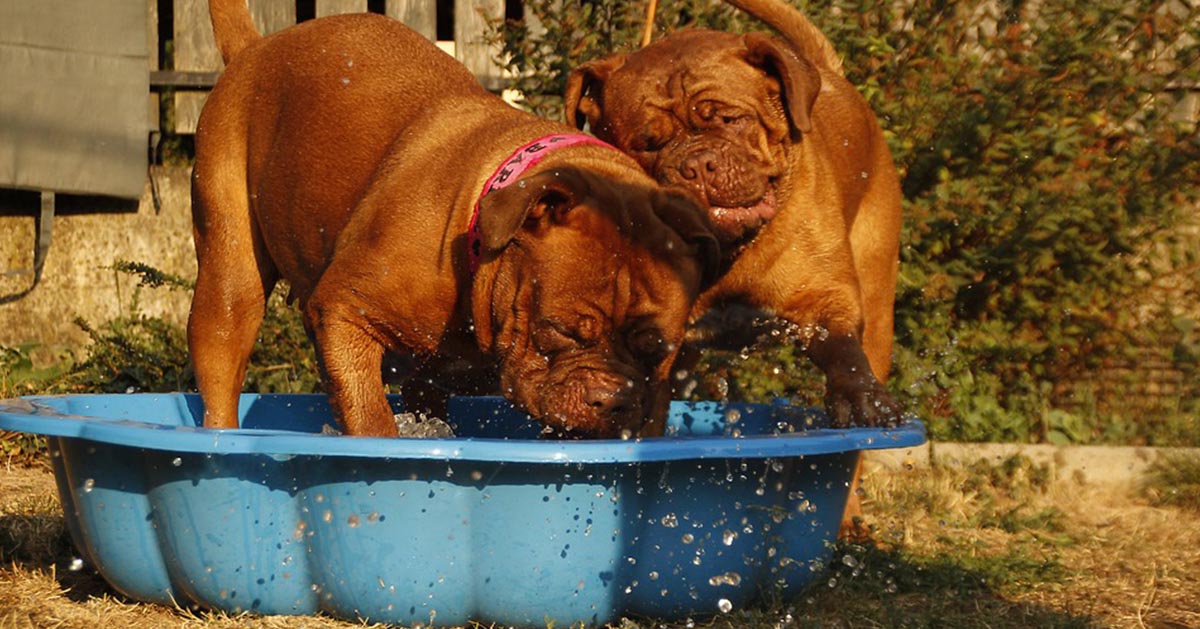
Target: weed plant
1174	479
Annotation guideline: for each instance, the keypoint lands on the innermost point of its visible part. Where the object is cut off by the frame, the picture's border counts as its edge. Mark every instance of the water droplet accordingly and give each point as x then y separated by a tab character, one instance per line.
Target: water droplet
76	564
724	605
728	536
88	485
729	578
849	561
177	461
669	521
352	521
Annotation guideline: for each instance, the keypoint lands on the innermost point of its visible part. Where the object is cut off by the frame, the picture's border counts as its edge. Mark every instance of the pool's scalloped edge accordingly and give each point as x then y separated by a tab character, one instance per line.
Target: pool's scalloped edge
440	535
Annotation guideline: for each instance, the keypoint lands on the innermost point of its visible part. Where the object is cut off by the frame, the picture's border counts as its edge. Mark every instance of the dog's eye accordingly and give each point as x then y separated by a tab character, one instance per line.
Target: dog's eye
649	345
549	339
649	142
711	112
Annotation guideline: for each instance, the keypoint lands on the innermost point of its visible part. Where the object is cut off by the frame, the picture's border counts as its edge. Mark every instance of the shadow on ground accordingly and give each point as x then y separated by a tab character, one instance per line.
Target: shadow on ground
892	588
41	542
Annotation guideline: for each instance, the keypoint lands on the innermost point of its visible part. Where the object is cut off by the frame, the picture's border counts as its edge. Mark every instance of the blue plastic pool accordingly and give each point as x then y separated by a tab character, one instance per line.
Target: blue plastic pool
738	502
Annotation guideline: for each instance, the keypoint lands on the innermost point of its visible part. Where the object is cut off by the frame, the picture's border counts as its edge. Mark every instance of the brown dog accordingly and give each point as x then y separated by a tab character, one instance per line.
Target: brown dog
799	181
349	157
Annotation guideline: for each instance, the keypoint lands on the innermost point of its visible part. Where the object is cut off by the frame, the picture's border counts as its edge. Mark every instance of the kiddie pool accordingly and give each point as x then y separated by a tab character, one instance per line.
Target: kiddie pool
738	502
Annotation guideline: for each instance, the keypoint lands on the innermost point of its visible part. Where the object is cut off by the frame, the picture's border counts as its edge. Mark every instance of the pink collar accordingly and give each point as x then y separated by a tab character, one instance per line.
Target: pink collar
509	171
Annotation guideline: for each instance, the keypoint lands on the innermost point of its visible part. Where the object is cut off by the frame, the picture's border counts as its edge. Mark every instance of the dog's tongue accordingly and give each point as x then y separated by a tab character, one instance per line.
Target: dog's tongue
735	223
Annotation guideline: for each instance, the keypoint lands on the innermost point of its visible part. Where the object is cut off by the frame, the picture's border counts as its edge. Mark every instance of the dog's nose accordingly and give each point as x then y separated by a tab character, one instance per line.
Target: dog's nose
699	166
613	400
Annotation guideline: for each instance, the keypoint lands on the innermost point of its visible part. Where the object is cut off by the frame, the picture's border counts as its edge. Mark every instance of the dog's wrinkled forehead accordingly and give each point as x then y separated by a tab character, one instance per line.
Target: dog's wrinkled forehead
676	75
619	261
682	66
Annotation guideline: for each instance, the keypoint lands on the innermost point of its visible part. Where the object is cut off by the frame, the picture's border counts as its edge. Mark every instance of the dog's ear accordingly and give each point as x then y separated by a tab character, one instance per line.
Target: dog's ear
798	78
582	102
549	194
683	214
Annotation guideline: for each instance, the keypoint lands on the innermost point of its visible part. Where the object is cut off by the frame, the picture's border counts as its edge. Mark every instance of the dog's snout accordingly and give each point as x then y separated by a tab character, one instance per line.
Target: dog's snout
612	400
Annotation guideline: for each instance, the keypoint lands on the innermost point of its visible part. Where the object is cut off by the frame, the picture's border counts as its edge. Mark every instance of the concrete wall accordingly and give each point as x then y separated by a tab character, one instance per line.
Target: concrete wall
88	237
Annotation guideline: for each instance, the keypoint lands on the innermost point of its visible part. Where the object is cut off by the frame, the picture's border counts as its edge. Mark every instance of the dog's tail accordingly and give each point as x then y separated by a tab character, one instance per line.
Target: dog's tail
795	28
233	27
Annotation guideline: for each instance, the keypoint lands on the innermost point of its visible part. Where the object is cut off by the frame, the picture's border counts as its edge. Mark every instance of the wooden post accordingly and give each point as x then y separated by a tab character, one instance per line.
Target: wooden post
470	24
419	15
152	102
336	7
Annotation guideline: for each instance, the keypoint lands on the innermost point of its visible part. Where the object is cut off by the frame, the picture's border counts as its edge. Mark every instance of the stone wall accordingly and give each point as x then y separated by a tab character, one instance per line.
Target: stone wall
77	279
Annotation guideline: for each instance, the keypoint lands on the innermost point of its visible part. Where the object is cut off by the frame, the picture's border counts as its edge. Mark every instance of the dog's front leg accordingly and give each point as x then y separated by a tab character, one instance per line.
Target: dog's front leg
350	360
853	395
829	323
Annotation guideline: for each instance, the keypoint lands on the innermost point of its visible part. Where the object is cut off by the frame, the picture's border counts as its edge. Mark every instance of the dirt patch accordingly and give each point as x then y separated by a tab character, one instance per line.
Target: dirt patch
970	545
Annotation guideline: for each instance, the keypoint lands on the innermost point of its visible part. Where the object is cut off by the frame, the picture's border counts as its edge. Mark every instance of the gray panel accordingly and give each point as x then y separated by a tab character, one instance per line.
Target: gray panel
73	106
73	103
110	27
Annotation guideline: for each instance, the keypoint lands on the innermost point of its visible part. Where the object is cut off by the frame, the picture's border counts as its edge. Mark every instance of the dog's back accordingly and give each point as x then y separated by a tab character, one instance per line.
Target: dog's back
326	97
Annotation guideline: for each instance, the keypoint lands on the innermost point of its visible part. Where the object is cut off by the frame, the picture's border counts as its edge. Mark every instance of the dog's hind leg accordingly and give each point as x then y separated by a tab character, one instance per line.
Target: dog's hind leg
235	278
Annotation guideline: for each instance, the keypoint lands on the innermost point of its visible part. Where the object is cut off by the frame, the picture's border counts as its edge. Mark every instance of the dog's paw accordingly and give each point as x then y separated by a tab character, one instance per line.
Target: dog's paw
861	401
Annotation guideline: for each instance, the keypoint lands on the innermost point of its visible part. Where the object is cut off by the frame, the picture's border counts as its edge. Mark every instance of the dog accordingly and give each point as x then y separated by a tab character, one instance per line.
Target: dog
413	213
799	181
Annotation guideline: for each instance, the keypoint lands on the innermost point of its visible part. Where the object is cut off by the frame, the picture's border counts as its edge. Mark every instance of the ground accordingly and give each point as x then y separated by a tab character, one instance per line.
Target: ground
965	545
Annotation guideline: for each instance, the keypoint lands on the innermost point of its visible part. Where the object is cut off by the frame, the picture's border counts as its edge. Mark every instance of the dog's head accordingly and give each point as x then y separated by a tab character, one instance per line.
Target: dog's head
713	111
583	295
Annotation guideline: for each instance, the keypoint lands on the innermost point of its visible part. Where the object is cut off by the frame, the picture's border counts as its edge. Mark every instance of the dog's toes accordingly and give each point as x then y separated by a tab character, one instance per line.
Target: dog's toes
863	404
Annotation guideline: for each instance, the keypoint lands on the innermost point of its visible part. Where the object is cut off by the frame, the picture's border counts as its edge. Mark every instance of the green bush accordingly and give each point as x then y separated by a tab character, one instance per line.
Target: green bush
136	352
1045	176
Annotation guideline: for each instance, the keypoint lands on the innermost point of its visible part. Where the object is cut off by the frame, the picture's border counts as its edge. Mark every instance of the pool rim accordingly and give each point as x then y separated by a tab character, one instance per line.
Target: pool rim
33	414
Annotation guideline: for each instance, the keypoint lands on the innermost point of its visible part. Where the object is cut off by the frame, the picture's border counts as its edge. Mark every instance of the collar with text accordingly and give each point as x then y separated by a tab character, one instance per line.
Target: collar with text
509	171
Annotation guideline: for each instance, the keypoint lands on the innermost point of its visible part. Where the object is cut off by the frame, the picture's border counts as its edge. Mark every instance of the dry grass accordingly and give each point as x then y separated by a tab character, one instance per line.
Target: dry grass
965	546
